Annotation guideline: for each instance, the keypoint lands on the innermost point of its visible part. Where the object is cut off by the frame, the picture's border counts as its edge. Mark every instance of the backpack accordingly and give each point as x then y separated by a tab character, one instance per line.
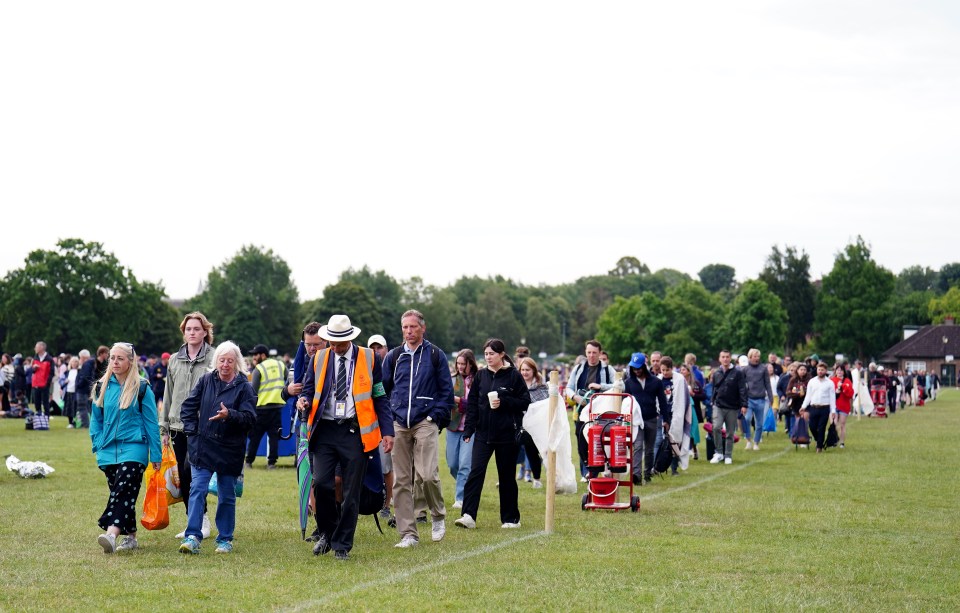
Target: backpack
435	360
801	432
373	492
663	456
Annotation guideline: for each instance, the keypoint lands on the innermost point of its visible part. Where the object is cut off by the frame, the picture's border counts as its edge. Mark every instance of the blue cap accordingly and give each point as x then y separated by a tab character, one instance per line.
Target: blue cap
638	360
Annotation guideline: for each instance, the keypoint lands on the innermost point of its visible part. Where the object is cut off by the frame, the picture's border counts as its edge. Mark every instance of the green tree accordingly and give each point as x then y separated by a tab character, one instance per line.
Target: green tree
251	299
716	277
917	279
541	327
350	299
439	308
695	313
853	311
494	318
388	294
79	296
671	277
627	266
945	306
911	309
948	277
756	319
617	328
787	274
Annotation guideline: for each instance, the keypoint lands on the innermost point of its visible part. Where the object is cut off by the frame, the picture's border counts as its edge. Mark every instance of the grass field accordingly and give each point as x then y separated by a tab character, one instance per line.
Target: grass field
874	527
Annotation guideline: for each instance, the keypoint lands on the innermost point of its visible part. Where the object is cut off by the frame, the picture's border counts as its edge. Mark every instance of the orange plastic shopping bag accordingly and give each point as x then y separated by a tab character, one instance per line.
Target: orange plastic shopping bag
155	514
171	476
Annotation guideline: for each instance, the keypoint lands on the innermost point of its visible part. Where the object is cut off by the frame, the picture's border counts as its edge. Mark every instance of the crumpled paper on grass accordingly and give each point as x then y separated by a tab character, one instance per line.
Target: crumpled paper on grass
28	470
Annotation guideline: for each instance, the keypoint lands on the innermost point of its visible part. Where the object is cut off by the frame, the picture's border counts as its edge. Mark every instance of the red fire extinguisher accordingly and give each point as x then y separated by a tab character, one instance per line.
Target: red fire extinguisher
619	458
596	458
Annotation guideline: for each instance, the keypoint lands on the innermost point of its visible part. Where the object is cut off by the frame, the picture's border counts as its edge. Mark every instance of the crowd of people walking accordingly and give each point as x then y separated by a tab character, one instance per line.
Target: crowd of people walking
370	403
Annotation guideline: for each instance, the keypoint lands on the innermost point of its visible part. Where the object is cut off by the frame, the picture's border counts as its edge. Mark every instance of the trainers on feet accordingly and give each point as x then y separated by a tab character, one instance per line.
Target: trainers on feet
716	459
527	476
248	464
536	484
756	446
458	504
728	460
108	542
205	527
271	467
510	525
190	545
385	513
407	542
181	535
341	554
224	547
748	445
128	543
466	521
439	529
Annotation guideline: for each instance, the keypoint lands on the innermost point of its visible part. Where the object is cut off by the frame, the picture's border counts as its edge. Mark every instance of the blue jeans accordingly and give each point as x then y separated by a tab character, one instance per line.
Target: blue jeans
459	456
226	519
755	408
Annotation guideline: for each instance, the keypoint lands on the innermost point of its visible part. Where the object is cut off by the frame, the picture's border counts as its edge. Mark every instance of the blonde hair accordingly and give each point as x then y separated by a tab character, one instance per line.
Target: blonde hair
74	362
204	323
753	353
130	385
533	366
231	347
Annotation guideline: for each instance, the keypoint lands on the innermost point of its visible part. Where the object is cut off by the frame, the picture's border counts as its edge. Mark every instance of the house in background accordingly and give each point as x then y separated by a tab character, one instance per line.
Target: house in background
931	348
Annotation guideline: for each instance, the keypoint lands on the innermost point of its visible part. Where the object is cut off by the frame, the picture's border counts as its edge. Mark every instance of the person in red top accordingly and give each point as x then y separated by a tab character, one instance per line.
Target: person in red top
843	383
42	373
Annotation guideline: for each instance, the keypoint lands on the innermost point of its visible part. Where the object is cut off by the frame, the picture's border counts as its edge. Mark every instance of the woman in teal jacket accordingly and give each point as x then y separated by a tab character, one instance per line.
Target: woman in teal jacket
125	436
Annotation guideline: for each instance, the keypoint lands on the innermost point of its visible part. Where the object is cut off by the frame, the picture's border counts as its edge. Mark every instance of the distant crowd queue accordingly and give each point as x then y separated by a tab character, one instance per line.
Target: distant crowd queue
364	404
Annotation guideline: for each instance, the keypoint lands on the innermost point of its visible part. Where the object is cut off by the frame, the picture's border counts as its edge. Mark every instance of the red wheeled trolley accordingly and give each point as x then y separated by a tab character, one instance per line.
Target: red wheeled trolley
878	394
610	449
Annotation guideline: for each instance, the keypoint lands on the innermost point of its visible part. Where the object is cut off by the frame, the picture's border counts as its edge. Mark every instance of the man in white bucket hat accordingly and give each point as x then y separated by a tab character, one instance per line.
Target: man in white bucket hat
348	418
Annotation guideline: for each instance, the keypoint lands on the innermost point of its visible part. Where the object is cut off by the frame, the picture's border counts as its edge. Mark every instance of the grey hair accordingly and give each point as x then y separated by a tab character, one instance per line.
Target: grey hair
84	354
230	347
413	313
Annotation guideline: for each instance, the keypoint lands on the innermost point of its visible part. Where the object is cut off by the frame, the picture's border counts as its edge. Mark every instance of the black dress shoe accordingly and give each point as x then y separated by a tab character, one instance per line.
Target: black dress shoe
341	554
637	480
322	546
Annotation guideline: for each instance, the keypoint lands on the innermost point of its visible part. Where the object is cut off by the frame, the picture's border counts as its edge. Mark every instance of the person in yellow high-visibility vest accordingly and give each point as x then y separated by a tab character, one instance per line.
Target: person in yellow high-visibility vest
269	378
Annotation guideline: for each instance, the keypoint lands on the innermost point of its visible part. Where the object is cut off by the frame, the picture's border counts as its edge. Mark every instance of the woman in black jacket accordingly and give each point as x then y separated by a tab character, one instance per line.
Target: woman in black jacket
496	404
217	415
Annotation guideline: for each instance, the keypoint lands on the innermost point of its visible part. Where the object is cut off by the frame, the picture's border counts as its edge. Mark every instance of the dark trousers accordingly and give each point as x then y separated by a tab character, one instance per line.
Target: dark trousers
818	423
41	399
83	409
70	405
533	455
644	448
581	447
4	399
124	483
338	444
178	440
268	422
506	458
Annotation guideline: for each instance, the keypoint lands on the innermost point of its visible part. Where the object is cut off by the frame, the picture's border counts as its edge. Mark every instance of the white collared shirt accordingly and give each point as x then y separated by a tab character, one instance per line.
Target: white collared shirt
821	392
329	411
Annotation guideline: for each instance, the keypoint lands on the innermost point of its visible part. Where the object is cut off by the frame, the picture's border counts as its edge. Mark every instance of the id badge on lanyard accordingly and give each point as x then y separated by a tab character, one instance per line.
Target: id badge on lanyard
340	409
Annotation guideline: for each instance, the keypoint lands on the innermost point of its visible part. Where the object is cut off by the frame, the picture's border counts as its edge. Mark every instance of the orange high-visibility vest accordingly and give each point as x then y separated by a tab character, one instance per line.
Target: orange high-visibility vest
362	391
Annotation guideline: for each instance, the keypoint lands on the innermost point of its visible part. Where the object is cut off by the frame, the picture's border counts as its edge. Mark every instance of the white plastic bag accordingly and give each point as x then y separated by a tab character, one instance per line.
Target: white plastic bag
28	470
535	422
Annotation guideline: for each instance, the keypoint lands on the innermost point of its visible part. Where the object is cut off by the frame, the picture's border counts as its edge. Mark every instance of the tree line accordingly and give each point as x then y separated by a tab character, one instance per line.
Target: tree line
80	296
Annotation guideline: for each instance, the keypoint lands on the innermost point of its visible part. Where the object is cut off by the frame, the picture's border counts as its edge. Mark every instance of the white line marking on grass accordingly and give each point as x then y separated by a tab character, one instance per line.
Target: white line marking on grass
717	475
466	555
311	604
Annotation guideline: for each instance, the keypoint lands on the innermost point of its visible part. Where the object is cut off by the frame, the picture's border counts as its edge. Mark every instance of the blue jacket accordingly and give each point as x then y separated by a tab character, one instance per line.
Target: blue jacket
219	446
124	435
419	385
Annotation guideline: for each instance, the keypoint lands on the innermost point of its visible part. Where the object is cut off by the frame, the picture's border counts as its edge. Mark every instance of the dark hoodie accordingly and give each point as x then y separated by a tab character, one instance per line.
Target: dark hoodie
502	424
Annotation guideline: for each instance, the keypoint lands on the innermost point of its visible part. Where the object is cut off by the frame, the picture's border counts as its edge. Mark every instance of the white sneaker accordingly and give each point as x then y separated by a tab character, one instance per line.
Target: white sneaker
511	525
756	446
716	459
407	542
748	445
129	543
205	527
536	484
458	504
466	522
728	460
583	479
439	529
108	542
182	535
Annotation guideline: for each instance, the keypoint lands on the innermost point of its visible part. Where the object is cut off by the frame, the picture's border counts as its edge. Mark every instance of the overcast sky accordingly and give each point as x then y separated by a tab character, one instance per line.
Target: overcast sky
537	140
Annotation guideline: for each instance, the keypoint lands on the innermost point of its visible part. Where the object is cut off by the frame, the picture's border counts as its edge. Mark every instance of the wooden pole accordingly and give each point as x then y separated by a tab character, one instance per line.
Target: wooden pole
551	454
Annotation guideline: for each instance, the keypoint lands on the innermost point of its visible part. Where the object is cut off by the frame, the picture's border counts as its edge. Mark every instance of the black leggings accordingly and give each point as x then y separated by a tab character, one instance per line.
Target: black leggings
124	481
533	454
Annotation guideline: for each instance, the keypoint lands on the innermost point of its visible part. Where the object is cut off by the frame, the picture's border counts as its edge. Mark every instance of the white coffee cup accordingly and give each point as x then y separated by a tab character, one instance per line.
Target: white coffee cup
493	396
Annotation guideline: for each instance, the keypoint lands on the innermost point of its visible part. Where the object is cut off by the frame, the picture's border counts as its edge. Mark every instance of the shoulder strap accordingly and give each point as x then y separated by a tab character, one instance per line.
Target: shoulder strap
435	356
141	393
392	355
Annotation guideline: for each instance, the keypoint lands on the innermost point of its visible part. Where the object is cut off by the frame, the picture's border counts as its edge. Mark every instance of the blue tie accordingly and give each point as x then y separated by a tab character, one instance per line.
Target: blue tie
341	387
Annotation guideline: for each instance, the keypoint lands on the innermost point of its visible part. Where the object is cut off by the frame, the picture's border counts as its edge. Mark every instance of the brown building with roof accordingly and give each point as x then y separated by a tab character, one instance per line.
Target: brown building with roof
933	348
